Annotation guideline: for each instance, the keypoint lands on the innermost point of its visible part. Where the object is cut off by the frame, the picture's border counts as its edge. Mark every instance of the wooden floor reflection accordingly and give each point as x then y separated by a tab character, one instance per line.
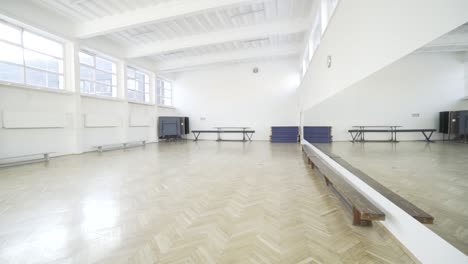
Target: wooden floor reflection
432	176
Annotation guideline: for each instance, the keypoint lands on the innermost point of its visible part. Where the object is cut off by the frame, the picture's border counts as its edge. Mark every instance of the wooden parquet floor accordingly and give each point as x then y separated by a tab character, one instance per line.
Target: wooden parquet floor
183	202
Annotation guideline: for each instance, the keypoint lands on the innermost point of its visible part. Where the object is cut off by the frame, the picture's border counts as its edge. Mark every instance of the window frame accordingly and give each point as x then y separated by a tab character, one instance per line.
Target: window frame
60	73
147	95
158	94
94	55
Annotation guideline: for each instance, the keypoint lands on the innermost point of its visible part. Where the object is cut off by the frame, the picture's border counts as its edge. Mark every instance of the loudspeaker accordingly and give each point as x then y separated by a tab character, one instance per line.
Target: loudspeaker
444	122
187	126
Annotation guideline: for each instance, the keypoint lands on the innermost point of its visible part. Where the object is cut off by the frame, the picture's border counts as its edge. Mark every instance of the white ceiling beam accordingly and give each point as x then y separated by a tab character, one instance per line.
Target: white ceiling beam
225	57
148	15
219	37
448	43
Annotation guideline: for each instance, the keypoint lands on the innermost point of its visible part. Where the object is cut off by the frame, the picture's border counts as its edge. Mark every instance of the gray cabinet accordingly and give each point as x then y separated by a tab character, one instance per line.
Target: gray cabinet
173	126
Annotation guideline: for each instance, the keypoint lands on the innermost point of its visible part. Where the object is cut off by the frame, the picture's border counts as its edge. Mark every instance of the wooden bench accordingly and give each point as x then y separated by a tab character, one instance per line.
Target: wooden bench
399	201
126	145
363	210
45	158
244	132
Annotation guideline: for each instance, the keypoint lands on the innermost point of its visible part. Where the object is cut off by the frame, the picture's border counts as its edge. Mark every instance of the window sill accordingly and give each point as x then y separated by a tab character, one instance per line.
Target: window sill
166	106
114	99
34	88
140	103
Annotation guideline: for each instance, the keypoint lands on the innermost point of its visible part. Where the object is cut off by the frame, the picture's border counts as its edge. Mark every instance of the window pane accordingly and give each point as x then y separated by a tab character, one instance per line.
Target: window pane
37	60
102	89
130	73
140	77
41	44
87	87
147	98
106	78
54	81
140	86
11	73
86	59
9	33
131	84
160	84
167	102
86	73
105	65
167	93
38	78
131	95
11	53
141	97
147	88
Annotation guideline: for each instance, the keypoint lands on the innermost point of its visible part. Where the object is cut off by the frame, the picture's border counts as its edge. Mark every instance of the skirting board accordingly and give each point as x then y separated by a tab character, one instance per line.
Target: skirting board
422	242
25	120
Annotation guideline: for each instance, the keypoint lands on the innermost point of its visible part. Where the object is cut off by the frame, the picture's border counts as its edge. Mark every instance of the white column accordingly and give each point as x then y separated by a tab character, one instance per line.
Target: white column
122	94
72	84
466	74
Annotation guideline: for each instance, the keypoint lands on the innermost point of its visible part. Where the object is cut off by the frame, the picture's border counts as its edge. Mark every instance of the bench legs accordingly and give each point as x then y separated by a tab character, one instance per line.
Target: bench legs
196	135
428	137
357	219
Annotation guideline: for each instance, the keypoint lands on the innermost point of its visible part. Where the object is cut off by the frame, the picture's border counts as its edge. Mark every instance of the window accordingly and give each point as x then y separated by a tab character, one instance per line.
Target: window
164	92
137	85
97	75
327	9
27	58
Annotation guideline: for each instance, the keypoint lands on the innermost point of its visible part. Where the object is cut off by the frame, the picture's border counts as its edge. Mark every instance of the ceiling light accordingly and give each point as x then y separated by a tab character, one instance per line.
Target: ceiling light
75	2
255	40
248	13
141	33
173	53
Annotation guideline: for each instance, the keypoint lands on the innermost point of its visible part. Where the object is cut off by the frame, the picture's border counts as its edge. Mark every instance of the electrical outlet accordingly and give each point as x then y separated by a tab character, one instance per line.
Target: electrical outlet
203	118
415	115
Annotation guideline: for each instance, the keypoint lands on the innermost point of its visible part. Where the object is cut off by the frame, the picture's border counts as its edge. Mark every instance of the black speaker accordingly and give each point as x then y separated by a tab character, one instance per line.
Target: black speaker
187	125
444	122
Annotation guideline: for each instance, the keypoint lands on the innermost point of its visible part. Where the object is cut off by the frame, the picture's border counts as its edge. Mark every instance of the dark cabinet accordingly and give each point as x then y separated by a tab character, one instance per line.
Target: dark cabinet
455	124
173	126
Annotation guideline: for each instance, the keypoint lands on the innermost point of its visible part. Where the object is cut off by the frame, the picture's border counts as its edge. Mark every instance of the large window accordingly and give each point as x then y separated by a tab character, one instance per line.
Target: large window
138	85
27	58
327	9
164	92
97	75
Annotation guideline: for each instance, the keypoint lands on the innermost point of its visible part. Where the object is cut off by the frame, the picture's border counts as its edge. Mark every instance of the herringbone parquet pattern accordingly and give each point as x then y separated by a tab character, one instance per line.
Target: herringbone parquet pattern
203	202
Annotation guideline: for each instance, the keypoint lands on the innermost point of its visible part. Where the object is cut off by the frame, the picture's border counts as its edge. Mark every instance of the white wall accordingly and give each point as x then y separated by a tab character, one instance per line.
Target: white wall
423	84
74	137
23	141
366	35
233	96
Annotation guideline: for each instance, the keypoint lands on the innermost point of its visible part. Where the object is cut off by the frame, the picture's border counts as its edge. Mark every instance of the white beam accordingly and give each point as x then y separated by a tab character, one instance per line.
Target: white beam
148	15
452	42
225	57
225	36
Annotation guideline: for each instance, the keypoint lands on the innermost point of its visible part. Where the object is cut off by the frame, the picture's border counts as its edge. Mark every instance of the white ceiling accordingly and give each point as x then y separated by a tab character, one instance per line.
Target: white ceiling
169	31
454	41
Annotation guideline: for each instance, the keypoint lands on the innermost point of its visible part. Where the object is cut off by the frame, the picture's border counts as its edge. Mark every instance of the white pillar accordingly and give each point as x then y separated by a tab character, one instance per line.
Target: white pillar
466	74
72	84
